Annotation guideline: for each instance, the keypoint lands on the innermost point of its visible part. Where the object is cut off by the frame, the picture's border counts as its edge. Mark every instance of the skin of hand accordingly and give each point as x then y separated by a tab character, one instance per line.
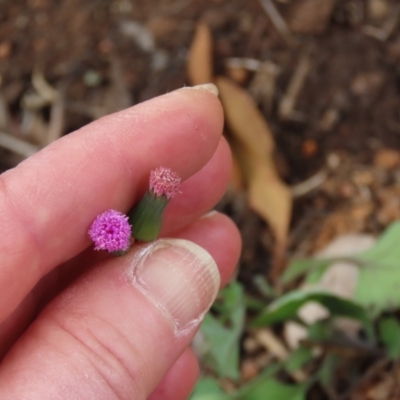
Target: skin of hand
79	324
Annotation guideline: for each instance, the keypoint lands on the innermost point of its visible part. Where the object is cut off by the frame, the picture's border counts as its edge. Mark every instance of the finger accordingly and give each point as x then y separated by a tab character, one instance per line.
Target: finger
48	202
207	232
200	192
173	386
118	330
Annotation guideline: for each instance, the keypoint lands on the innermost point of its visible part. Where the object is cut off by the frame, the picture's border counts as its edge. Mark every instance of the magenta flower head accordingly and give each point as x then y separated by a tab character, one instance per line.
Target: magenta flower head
146	216
111	231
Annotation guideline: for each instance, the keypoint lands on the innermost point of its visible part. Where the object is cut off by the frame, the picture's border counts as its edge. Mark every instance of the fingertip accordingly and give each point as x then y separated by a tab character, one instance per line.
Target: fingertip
204	94
201	191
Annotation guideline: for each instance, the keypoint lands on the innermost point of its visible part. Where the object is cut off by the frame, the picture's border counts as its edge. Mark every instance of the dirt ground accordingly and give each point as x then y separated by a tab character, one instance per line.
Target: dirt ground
66	63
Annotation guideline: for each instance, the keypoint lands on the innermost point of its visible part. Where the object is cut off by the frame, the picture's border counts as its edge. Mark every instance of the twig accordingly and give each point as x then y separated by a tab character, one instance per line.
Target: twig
262	86
386	30
17	146
4	114
349	348
43	87
251	64
277	21
56	123
309	184
288	102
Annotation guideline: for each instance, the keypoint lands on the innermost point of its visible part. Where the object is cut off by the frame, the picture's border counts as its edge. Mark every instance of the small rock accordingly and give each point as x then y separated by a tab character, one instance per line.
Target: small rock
347	245
294	334
312	312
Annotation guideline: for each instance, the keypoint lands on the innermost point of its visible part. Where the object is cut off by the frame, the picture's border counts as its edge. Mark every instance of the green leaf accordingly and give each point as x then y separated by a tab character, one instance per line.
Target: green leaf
327	369
266	374
270	388
223	333
298	358
208	389
320	331
378	287
389	332
287	306
265	288
298	268
253	304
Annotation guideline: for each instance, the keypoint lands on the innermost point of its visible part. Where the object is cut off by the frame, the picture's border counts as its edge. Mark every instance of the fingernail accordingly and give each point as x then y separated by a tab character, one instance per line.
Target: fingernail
178	277
210	214
209	87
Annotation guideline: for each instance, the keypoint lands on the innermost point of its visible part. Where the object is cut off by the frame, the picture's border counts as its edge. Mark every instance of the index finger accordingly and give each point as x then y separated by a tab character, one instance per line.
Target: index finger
48	201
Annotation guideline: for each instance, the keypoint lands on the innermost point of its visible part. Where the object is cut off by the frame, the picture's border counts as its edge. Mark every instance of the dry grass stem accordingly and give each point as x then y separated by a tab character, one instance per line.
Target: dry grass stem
267	339
263	85
251	64
383	33
289	100
277	20
43	88
56	124
310	184
17	146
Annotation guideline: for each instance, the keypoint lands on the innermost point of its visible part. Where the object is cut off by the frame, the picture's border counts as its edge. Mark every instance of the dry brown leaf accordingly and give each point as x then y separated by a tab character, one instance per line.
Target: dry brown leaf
200	70
254	146
200	64
236	182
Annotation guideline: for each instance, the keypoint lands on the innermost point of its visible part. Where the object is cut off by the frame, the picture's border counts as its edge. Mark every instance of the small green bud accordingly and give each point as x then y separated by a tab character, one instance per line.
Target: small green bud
146	217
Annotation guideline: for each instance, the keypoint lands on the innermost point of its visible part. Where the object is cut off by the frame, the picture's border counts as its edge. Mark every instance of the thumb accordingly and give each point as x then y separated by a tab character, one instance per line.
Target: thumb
116	332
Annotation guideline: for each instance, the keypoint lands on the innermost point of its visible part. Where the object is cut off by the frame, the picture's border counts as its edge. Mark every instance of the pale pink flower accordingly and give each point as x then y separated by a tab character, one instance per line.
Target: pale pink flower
164	182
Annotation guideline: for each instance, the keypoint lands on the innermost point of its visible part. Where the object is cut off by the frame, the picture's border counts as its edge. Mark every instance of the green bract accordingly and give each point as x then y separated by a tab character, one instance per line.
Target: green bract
146	217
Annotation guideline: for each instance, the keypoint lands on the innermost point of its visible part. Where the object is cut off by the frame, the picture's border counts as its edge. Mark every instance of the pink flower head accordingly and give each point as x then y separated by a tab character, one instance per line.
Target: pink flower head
164	182
110	231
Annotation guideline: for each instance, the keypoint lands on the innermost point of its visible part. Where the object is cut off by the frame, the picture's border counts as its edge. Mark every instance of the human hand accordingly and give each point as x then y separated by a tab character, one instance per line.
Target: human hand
113	328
